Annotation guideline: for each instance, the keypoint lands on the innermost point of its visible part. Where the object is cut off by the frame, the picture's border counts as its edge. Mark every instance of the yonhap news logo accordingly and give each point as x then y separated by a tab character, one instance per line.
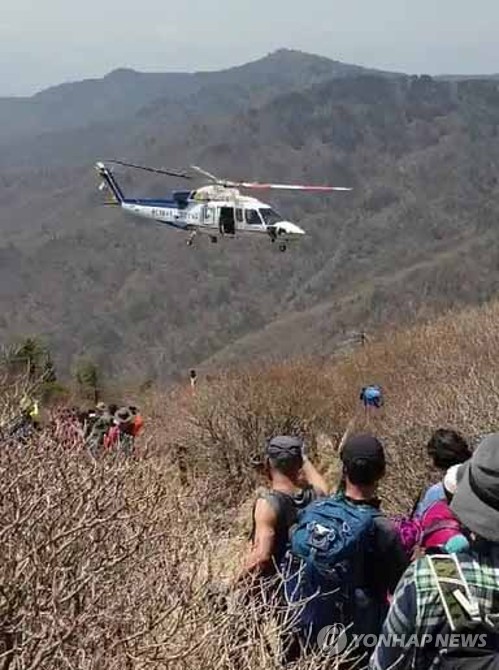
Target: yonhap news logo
334	640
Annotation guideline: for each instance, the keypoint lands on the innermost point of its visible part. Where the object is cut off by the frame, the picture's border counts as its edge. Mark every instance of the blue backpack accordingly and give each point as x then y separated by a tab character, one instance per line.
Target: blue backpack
325	561
372	396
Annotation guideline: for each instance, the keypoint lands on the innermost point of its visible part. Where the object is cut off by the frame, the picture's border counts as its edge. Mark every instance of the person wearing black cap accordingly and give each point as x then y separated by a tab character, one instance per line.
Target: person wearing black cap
453	593
385	561
294	482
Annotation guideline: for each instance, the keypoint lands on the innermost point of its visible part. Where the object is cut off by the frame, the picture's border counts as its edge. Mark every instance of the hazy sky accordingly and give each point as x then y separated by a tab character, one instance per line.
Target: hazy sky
45	42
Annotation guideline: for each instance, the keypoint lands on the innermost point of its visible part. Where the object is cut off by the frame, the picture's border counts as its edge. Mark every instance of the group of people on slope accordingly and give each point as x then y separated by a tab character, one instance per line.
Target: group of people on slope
111	428
338	559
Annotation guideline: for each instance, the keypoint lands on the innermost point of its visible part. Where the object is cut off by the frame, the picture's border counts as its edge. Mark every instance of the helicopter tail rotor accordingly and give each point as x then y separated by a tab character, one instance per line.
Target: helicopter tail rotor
109	182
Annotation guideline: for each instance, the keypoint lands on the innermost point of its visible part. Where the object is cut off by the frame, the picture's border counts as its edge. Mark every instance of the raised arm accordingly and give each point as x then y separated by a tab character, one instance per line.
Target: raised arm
314	478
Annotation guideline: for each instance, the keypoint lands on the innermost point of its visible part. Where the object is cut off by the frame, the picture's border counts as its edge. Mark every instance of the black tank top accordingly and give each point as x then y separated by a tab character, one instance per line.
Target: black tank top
286	506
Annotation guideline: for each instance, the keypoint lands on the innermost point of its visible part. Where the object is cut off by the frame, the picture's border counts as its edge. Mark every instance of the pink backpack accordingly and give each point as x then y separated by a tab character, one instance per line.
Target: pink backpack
409	528
410	532
438	525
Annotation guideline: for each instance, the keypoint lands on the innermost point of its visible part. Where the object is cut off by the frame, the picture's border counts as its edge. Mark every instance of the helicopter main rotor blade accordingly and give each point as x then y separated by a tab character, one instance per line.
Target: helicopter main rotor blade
287	187
207	174
146	168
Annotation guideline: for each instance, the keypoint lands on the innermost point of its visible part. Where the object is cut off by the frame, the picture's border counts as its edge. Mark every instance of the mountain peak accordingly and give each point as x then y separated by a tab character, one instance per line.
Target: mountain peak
122	73
291	54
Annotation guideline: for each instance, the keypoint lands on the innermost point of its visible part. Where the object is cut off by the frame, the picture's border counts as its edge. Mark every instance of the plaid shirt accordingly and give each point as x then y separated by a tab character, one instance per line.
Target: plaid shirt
417	608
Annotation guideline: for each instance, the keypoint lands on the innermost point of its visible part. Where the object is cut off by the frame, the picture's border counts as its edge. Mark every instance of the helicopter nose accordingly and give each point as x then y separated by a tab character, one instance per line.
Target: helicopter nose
289	228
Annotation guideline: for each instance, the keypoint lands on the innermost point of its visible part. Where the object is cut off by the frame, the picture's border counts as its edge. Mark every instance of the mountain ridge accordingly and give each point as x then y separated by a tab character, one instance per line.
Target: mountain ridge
422	154
121	93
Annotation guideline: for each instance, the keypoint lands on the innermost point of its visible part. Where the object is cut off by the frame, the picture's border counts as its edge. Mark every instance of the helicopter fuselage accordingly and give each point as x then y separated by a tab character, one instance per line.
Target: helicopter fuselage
216	218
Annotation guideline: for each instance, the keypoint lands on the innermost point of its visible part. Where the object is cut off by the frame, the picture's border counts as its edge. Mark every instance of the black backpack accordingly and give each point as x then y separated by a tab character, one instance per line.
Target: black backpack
474	636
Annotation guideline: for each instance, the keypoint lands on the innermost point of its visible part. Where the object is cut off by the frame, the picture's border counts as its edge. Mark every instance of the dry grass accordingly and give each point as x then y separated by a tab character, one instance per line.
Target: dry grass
116	564
441	374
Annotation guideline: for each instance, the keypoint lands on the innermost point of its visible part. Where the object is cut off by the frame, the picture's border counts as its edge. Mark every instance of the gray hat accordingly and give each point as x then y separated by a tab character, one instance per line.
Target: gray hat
123	416
284	447
476	501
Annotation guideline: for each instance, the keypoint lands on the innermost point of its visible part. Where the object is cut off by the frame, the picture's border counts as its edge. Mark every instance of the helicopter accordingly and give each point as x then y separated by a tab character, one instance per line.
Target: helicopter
217	209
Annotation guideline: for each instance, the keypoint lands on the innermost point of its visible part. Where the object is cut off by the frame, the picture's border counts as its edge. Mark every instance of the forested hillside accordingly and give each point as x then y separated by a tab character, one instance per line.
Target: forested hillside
418	232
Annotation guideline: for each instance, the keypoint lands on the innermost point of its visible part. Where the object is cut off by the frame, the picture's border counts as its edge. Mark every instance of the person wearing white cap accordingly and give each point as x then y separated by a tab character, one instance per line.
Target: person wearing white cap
440	527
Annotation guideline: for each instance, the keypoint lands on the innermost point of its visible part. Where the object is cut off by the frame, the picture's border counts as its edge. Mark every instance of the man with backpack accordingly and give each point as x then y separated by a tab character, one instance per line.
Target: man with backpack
454	596
96	430
345	555
294	483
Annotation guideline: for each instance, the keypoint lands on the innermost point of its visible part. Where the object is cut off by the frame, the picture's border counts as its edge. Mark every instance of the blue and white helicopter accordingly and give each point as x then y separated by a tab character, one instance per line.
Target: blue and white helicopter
217	209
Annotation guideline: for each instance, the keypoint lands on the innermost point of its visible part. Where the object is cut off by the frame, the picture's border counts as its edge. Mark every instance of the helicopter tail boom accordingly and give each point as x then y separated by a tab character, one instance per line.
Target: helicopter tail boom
110	182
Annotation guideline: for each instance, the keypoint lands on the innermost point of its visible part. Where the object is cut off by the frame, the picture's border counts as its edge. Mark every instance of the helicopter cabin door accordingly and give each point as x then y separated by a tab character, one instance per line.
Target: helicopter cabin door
226	221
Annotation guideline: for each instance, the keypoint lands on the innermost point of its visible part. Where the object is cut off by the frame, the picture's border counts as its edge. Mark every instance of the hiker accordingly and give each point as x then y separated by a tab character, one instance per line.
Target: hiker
437	528
27	420
350	555
452	593
138	421
88	417
100	422
364	465
294	482
121	436
440	529
445	448
193	377
372	396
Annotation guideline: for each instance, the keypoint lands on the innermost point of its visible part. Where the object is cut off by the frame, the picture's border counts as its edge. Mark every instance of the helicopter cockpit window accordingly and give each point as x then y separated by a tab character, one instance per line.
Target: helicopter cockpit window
253	217
270	216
